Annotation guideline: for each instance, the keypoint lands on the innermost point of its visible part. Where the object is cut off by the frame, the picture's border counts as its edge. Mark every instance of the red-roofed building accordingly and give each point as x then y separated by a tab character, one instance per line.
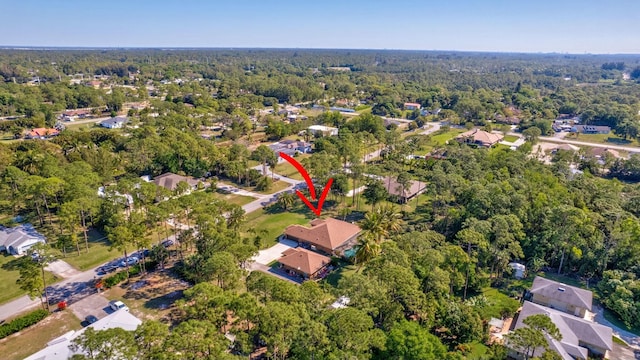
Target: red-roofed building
305	263
412	106
330	236
42	133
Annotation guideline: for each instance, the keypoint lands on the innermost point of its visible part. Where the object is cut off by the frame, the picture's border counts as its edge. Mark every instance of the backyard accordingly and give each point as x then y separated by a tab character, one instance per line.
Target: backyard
272	224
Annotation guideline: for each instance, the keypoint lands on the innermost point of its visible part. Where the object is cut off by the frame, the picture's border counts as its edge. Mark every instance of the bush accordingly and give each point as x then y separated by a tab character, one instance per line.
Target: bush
22	322
117	278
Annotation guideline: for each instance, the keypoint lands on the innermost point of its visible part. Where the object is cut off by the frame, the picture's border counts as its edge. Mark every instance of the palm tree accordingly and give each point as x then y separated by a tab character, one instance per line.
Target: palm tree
285	200
381	223
368	249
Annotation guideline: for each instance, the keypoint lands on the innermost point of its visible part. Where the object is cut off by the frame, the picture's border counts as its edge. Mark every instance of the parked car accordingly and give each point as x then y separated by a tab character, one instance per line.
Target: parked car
131	260
116	305
90	319
168	243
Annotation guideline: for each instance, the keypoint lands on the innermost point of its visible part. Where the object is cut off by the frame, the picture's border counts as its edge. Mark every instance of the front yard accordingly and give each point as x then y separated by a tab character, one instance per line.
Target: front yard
272	224
33	339
9	273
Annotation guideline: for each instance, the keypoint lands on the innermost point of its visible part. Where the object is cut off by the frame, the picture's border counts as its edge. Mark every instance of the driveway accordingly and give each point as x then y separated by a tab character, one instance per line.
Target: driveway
267	256
630	338
62	269
91	305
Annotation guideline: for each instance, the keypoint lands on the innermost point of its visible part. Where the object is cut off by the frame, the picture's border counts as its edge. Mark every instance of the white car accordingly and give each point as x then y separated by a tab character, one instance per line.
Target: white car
116	305
131	260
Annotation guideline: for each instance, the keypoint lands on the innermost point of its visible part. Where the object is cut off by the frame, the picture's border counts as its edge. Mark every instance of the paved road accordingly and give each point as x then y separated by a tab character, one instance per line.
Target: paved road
433	127
71	289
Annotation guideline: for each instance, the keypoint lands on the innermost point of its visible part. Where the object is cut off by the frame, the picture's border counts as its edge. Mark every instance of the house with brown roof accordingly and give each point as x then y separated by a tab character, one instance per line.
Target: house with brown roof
305	263
396	191
479	137
170	181
330	236
562	297
42	133
581	339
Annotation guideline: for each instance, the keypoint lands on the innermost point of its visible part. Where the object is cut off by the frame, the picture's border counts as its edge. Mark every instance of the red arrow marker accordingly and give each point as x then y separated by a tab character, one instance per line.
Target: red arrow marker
312	189
302	172
324	194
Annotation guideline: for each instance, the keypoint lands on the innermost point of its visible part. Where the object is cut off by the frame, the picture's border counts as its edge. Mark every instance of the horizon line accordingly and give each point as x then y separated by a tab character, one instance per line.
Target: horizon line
55	47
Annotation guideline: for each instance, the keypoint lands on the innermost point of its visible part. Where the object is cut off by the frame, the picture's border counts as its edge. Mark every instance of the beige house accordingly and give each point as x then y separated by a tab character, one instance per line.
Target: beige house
562	297
479	137
330	236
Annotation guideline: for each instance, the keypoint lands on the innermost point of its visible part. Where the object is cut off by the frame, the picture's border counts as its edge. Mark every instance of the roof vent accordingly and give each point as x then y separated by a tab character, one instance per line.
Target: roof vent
560	289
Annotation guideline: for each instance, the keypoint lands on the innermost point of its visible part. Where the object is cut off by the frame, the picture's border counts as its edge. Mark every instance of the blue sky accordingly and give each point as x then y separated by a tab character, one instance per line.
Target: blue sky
573	26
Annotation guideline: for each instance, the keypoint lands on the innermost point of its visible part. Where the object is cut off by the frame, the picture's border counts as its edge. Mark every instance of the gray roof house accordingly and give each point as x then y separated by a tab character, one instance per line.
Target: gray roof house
562	297
17	240
114	123
579	336
58	349
170	181
396	192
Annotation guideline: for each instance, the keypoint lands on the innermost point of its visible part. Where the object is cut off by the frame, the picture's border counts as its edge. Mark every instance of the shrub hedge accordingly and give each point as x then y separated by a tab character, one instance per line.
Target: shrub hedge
117	278
22	322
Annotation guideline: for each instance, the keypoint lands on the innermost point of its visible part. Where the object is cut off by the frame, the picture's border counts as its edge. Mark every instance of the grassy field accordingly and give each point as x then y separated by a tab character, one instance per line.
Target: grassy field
273	224
510	138
233	198
602	139
9	290
441	139
498	302
287	170
28	341
98	252
275	187
342	271
76	127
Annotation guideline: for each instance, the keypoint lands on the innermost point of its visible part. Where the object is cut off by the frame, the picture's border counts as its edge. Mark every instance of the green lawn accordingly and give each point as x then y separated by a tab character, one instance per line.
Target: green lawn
232	198
476	351
286	169
9	290
98	252
441	139
342	271
499	304
273	224
602	139
275	187
510	138
77	127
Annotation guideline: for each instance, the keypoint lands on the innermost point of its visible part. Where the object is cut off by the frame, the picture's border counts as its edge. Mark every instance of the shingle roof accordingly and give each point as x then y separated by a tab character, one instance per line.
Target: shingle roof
170	180
573	329
304	260
481	136
19	235
115	120
329	233
561	292
394	188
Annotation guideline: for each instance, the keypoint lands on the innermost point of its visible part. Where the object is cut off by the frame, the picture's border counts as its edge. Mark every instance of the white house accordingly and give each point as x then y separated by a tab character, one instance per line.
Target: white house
518	270
114	123
323	130
17	240
58	349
